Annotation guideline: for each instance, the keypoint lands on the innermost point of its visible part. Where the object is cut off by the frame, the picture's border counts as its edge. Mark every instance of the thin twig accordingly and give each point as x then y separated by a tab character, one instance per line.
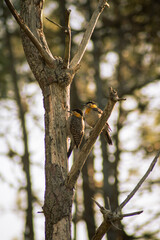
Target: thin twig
131	214
87	35
58	25
40	212
121	99
97	203
47	57
140	182
62	27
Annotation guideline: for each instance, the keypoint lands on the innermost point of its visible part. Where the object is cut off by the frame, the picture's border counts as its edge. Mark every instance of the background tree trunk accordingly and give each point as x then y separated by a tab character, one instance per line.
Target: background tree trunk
25	158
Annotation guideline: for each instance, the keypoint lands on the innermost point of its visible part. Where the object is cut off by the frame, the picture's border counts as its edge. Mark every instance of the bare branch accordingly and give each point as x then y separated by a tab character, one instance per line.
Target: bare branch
47	57
67	39
40	212
102	209
112	217
140	182
103	228
87	35
58	25
78	164
131	214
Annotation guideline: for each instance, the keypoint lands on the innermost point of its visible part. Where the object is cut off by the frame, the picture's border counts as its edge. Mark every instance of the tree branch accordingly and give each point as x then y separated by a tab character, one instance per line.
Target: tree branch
112	217
140	182
78	164
47	57
58	25
131	214
87	35
103	228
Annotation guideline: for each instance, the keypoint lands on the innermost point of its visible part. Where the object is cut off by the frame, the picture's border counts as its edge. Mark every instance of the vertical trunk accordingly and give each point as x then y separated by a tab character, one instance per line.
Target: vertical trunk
58	199
88	193
29	228
109	169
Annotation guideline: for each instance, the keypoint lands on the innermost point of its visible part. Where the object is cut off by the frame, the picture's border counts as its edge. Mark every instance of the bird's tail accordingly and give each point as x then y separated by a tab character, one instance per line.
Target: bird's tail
107	136
70	149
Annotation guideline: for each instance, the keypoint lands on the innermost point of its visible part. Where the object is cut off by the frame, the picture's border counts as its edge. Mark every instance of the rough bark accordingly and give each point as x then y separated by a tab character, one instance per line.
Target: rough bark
31	12
58	199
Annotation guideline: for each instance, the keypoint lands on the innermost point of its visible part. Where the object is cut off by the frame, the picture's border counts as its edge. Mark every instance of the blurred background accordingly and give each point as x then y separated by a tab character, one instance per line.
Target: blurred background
124	52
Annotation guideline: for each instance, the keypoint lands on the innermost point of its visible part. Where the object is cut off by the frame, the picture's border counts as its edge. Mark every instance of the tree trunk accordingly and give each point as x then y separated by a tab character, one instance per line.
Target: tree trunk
29	226
58	199
88	193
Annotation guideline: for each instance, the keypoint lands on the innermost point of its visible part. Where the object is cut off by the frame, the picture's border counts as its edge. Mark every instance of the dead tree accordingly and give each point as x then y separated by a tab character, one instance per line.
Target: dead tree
55	75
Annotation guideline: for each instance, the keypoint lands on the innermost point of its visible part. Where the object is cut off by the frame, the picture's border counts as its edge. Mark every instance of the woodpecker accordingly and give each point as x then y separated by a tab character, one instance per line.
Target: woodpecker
76	127
92	114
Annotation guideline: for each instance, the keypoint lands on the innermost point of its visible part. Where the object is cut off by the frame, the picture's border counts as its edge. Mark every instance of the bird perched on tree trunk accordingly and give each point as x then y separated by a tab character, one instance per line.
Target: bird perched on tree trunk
92	115
76	128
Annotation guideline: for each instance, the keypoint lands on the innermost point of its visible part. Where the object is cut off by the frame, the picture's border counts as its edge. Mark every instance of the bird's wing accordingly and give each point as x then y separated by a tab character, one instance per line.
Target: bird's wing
97	110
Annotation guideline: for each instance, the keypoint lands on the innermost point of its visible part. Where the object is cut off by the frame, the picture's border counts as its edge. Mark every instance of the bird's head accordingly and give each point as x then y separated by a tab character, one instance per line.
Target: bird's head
90	104
77	113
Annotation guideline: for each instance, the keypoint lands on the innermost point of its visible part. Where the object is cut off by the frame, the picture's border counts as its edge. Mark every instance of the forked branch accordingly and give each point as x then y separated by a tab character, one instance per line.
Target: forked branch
81	49
46	56
140	182
88	33
111	218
